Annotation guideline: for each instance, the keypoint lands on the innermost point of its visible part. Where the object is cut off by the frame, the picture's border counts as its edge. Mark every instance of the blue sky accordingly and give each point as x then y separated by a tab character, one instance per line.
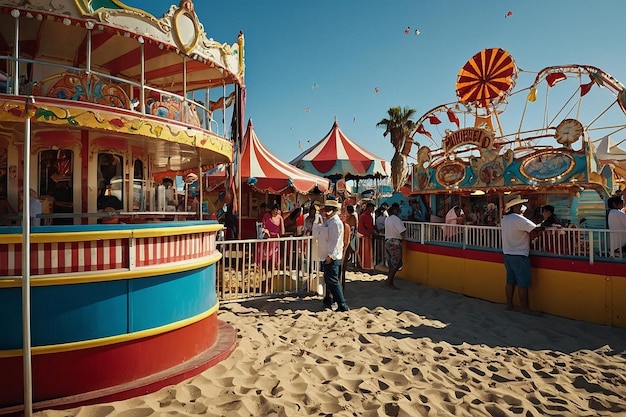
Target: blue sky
308	63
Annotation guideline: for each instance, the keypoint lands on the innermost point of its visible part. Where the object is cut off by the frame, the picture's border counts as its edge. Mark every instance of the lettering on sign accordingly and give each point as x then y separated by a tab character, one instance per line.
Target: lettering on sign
468	136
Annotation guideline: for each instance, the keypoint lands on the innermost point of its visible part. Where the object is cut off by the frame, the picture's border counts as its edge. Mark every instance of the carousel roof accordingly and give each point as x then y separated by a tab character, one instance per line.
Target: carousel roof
120	35
266	172
336	155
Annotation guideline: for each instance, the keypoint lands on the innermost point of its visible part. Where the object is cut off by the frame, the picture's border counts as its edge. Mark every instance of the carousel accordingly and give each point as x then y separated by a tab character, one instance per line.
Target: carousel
103	271
541	141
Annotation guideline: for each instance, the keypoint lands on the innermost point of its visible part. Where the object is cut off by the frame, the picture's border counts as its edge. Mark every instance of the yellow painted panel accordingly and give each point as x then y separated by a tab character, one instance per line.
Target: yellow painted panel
575	295
415	267
446	272
485	280
619	301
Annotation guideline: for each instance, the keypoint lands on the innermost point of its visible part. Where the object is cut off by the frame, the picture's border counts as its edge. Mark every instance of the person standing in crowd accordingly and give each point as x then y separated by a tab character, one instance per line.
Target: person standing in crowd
454	216
394	233
616	220
517	232
367	230
491	215
415	211
333	259
549	219
353	222
379	222
347	232
311	218
273	227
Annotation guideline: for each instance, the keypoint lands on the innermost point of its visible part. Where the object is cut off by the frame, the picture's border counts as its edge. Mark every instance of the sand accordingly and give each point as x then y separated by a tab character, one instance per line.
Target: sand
416	351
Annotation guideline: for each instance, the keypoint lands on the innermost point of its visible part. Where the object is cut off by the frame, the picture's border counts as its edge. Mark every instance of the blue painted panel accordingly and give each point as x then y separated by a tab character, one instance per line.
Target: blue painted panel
66	313
10	318
162	300
77	312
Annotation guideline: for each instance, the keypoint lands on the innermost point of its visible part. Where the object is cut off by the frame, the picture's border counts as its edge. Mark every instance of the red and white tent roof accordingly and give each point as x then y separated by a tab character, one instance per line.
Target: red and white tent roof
265	172
336	155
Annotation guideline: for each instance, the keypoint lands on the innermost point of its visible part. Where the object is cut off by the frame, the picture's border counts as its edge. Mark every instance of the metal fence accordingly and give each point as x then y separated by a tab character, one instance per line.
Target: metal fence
590	244
247	270
254	267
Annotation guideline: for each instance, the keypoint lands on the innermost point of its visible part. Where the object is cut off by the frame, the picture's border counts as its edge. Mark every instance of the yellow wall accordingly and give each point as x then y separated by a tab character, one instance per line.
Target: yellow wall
585	296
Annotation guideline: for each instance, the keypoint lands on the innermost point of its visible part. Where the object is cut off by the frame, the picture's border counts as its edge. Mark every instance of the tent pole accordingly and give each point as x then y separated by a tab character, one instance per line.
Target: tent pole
26	296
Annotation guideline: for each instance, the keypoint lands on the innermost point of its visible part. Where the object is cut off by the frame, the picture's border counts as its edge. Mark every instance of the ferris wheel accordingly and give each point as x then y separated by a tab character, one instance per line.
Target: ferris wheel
559	103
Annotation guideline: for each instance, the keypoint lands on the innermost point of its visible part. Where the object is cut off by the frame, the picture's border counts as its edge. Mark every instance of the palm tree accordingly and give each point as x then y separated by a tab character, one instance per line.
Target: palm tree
399	125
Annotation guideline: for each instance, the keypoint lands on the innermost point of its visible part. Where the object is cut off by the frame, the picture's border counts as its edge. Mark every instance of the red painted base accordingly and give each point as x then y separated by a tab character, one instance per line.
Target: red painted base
220	350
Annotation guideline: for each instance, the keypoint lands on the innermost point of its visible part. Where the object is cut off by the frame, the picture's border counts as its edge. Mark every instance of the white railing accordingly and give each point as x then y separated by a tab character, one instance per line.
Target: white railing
591	244
254	267
198	113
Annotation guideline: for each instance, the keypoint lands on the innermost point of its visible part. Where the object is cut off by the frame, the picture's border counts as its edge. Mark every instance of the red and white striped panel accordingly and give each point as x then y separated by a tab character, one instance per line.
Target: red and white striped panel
167	249
100	255
65	257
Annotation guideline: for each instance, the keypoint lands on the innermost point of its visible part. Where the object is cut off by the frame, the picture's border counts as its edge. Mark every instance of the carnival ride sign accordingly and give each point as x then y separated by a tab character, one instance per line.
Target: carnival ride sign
481	138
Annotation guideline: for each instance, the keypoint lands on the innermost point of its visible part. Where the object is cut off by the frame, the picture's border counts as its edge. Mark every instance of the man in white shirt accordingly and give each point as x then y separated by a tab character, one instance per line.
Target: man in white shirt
334	255
394	233
516	236
616	220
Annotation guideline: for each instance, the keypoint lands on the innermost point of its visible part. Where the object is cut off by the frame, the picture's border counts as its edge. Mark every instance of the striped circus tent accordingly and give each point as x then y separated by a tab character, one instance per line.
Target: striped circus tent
265	172
337	156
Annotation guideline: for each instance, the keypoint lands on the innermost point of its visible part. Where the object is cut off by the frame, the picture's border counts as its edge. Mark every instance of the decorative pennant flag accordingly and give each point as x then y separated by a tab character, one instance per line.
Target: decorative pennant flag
532	95
434	120
420	129
584	88
453	119
554	78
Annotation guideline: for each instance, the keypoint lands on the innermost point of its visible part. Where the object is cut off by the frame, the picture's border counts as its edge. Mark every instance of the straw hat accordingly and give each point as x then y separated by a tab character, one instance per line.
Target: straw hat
330	202
514	201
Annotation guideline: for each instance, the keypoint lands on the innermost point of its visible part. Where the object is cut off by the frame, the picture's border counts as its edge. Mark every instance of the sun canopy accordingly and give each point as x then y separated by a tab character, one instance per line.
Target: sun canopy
609	153
267	173
336	155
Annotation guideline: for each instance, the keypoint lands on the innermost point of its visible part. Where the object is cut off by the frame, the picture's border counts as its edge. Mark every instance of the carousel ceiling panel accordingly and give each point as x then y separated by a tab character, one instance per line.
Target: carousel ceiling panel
59	42
116	54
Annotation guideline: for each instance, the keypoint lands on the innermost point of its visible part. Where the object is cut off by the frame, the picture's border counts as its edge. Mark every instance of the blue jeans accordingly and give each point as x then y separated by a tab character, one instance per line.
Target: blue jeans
333	286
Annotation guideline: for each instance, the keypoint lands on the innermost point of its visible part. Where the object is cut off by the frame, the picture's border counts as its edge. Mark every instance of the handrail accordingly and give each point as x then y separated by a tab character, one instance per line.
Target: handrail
204	115
258	267
590	244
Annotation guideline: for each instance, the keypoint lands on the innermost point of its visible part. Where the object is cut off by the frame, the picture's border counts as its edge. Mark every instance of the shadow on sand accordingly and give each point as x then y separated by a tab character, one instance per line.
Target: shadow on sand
455	318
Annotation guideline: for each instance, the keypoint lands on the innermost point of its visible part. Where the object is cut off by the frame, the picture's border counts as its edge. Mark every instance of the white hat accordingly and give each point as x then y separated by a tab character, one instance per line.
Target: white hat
330	202
514	201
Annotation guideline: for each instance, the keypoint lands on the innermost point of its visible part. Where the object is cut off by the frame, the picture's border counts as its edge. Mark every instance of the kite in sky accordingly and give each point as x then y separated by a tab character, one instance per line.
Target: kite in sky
376	90
306	109
314	86
508	14
407	30
417	32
